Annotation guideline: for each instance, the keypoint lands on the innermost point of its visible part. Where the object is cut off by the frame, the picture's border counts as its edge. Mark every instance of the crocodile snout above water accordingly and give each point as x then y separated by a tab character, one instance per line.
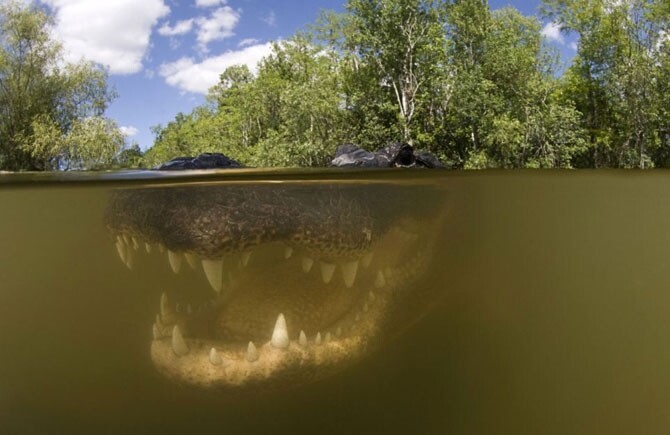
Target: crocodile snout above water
290	282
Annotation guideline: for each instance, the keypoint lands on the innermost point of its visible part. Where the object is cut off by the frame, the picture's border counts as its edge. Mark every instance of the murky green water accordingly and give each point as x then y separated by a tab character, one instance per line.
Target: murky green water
544	308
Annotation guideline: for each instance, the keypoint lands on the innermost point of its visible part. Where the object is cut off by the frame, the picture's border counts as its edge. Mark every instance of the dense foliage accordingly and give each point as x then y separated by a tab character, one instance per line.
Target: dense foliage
479	88
51	112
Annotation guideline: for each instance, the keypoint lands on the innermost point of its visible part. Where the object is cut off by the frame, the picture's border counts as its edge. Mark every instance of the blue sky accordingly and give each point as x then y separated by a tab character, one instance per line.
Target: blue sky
163	55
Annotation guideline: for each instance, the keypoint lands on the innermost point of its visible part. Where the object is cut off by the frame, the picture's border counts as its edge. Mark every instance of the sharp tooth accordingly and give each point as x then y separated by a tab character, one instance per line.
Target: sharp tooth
130	258
178	344
136	245
288	252
156	332
327	337
191	259
371	296
302	339
175	261
252	352
147	247
189	310
349	273
246	256
161	248
367	259
307	264
280	334
121	250
380	281
166	310
213	270
126	240
215	358
327	271
357	318
317	340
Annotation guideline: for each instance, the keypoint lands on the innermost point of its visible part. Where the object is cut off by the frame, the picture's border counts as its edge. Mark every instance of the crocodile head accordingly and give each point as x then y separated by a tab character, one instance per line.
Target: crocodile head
289	282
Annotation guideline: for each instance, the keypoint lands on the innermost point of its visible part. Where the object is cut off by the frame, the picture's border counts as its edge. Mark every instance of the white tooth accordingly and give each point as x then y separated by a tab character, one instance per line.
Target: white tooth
215	358
178	344
121	250
165	306
246	256
371	296
327	271
130	258
175	261
213	270
161	248
302	339
380	281
280	334
357	318
252	352
317	340
126	240
288	252
367	259
136	245
156	332
307	264
189	310
177	308
191	259
327	338
349	273
147	247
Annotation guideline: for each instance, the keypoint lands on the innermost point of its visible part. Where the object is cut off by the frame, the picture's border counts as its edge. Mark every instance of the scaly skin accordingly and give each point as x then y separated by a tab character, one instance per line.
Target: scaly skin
304	280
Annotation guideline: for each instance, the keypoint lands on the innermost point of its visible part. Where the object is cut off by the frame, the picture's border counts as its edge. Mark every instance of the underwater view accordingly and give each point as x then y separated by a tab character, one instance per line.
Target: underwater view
335	301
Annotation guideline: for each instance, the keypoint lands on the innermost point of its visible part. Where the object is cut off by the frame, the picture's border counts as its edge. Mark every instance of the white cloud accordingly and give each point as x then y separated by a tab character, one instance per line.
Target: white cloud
209	3
552	32
180	28
189	76
113	33
219	25
128	131
270	19
573	46
248	41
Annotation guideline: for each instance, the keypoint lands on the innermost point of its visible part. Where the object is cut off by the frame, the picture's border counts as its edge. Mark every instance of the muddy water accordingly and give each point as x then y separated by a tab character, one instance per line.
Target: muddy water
549	313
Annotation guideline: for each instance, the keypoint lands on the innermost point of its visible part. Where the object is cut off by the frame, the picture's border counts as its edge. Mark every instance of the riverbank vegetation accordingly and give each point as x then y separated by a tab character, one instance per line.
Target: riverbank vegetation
480	88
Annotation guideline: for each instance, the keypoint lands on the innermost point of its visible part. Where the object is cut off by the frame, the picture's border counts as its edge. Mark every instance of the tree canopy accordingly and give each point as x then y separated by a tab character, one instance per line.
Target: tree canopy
479	88
51	112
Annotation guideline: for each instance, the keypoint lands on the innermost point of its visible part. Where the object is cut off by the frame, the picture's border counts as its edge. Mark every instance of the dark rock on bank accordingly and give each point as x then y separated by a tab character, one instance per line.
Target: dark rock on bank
393	155
203	161
347	155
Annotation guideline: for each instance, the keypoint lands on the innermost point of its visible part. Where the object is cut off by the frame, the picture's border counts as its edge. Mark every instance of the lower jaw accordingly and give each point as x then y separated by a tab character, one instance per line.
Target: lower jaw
215	363
300	359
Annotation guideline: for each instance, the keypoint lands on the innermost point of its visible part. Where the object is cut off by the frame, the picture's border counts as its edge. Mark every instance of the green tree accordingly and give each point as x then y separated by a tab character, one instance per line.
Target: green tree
403	43
614	78
42	95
